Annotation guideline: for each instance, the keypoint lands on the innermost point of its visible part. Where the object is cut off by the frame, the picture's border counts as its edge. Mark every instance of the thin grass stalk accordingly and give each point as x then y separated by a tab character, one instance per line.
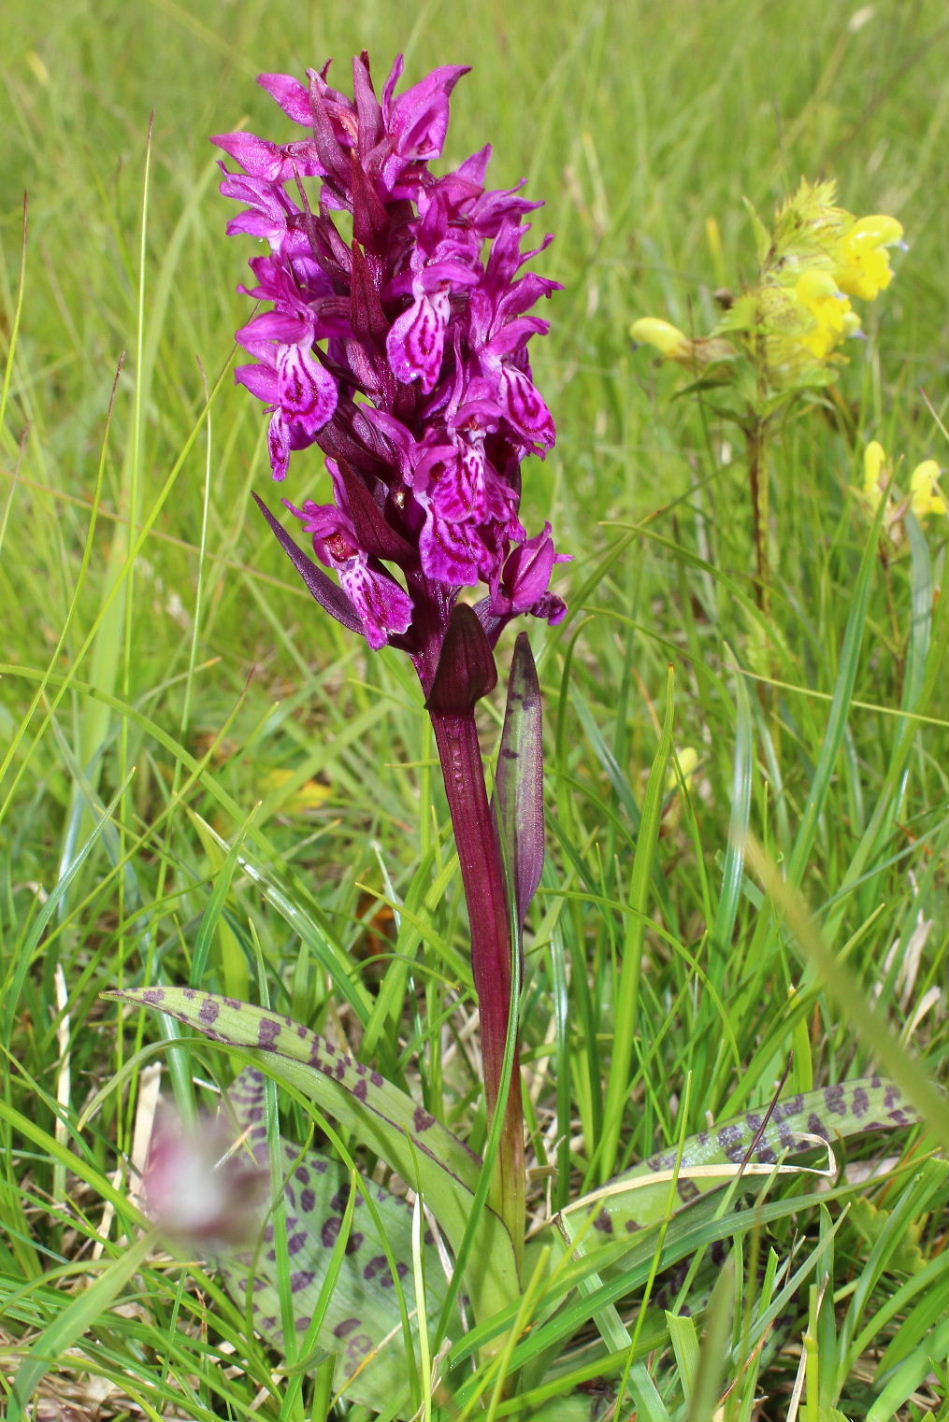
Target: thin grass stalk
756	444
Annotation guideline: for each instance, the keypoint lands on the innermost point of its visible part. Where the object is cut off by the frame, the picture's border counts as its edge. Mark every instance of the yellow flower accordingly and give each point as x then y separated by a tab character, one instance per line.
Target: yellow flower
810	230
796	327
862	262
874	463
673	344
832	318
924	497
668	340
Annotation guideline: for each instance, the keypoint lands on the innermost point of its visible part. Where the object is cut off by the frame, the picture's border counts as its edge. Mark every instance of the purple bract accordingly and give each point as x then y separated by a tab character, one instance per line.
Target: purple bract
400	349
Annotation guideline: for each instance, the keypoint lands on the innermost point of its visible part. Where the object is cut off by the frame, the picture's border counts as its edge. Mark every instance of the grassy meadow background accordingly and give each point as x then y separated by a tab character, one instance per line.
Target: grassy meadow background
168	691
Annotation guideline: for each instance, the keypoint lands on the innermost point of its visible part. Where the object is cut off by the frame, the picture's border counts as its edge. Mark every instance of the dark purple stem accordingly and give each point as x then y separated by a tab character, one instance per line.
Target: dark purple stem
482	873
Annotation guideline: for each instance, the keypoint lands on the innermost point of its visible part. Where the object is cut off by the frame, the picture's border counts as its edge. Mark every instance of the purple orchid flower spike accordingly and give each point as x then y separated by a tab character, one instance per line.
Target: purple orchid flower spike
402	353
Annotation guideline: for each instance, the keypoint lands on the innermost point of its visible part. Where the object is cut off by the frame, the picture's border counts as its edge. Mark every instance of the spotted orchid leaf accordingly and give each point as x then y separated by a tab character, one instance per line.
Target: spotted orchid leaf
756	1141
429	1157
606	1225
361	1321
519	781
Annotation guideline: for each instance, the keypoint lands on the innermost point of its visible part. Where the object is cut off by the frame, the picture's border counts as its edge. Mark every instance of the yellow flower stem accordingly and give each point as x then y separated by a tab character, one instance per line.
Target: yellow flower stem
756	444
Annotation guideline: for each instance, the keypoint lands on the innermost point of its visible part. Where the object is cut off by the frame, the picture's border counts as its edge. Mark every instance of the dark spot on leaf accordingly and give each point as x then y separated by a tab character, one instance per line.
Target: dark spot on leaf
301	1280
343	1330
268	1030
302	1323
296	1242
731	1140
632	1226
816	1126
422	1121
360	1091
603	1222
376	1079
330	1230
358	1346
308	1202
354	1242
836	1100
688	1190
153	995
189	993
861	1102
378	1267
233	1002
793	1106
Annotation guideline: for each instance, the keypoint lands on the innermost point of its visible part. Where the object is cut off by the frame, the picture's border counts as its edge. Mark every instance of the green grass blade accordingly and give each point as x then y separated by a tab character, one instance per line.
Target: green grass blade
627	986
79	1315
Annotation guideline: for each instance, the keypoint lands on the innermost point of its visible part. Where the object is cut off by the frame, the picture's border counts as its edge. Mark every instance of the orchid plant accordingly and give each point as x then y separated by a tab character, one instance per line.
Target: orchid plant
402	354
395	317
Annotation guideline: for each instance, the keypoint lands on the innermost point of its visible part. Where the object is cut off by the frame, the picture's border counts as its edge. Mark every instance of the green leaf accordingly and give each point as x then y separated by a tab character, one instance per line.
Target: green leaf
673	1179
69	1325
684	1337
715	1345
433	1161
353	1291
519	780
627	989
925	1099
762	235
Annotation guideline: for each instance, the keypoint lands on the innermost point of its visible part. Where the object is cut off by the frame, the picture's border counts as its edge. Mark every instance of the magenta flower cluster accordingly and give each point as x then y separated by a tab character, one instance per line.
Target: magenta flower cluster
395	338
